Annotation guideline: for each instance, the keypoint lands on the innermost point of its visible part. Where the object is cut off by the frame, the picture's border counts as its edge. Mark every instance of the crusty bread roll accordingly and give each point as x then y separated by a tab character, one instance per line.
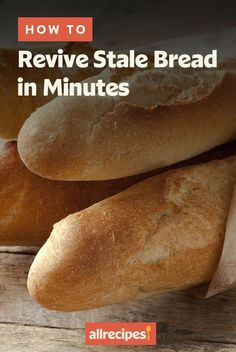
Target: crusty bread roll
15	110
30	204
170	115
164	233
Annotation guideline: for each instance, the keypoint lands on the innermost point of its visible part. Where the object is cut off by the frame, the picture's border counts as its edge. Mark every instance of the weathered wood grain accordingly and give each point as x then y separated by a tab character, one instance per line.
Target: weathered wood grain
25	338
17	338
196	347
181	317
19	249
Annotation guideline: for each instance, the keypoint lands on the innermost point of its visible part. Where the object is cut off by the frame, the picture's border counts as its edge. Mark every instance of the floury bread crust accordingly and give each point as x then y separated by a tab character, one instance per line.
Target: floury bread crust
170	115
30	204
164	233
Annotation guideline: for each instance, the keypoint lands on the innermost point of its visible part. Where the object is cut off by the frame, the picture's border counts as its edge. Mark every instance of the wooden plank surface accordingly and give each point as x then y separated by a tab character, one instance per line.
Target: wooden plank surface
183	320
27	339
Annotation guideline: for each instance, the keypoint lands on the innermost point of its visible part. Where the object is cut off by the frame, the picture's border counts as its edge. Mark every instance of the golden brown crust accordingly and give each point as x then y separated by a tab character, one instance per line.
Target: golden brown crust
105	138
30	204
164	233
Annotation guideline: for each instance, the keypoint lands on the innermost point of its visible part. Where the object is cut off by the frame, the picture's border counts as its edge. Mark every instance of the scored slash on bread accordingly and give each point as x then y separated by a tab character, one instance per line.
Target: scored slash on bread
169	116
164	233
30	204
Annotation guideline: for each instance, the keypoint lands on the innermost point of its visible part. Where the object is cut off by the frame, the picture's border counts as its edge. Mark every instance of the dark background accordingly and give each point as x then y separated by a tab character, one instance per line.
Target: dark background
122	24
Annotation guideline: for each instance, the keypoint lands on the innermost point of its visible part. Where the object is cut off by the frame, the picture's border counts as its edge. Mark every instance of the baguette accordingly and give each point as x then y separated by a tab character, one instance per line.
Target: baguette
30	204
164	233
14	110
25	196
98	138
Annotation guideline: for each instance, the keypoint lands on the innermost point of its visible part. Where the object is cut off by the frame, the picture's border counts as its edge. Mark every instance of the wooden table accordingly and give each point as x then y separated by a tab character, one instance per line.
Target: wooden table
185	323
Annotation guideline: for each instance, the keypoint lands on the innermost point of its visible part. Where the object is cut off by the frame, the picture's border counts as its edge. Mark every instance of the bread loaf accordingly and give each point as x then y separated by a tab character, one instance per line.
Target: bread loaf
164	233
170	115
14	110
30	204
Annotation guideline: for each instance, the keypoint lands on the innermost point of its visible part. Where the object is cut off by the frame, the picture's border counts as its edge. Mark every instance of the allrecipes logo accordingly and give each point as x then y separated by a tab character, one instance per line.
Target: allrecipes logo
120	334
